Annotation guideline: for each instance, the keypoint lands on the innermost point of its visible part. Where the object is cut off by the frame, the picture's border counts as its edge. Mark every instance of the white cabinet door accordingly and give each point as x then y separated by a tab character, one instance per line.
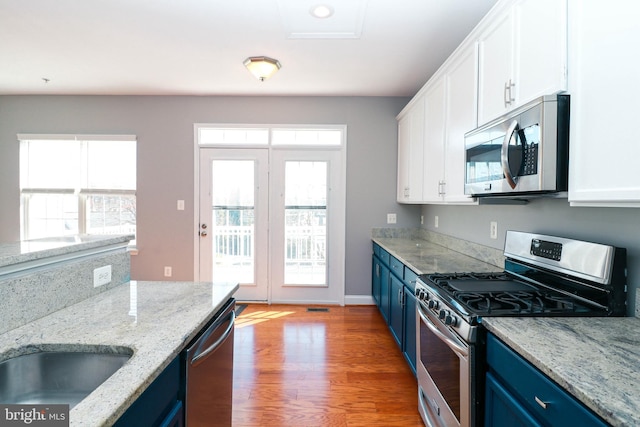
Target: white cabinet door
404	131
603	67
434	128
410	153
522	55
540	48
461	102
495	68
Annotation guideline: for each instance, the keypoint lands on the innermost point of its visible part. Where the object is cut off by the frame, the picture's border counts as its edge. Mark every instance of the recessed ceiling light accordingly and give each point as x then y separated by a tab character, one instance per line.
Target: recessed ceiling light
321	11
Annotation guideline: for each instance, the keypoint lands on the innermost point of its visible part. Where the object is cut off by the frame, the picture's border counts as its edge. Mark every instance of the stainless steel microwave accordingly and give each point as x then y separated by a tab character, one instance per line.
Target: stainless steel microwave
524	152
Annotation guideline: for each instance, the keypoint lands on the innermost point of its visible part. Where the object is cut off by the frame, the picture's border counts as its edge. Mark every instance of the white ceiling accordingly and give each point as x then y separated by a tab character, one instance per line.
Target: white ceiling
197	47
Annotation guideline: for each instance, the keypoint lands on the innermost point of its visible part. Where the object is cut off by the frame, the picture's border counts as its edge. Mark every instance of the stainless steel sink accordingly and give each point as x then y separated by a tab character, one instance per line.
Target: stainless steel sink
49	377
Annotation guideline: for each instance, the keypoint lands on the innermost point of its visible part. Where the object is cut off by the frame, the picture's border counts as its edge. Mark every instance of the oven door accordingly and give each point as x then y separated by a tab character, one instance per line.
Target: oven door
445	374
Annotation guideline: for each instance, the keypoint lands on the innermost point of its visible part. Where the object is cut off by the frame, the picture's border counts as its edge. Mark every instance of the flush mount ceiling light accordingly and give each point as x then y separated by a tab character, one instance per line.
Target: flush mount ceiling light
262	67
321	11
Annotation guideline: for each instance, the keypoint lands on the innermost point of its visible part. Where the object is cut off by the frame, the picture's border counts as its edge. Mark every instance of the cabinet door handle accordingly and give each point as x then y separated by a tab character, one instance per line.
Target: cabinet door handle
540	402
504	95
508	94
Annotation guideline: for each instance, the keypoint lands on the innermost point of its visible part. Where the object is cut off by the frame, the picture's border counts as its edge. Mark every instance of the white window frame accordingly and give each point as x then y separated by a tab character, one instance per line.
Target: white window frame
81	193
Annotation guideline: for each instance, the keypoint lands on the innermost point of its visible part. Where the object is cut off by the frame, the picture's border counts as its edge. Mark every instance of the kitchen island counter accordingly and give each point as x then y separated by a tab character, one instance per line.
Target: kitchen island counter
595	359
155	320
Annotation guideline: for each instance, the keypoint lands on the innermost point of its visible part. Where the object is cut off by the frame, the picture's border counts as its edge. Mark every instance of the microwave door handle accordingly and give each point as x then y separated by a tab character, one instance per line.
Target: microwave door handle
504	155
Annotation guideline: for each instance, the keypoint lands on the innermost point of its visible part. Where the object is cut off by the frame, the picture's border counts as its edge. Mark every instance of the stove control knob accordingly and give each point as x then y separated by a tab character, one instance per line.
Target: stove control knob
434	304
420	294
443	314
450	320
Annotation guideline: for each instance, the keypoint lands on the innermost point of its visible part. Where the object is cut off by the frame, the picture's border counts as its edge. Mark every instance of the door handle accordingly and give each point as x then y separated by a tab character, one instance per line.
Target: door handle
203	354
504	155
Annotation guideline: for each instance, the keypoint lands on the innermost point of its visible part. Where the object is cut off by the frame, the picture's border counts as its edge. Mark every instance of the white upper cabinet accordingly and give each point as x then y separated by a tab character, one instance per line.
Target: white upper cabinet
434	129
495	68
522	55
461	117
603	83
448	103
517	53
411	152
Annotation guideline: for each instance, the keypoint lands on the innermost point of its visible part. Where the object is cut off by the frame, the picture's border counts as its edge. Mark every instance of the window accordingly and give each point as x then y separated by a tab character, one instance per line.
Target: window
75	184
327	136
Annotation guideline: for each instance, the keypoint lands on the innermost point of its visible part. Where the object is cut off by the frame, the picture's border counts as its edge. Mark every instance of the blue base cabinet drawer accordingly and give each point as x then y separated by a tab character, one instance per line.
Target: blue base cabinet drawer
515	383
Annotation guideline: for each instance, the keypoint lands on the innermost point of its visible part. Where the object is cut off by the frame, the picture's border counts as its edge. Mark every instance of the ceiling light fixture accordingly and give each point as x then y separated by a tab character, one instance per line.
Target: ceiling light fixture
262	67
321	11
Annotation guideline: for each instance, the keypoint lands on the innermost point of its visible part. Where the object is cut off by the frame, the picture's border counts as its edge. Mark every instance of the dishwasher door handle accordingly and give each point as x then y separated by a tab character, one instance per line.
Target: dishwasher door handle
200	356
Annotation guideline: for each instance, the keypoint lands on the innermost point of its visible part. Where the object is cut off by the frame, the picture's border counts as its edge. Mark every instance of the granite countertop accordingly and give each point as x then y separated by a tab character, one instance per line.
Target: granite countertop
37	249
596	359
156	320
424	257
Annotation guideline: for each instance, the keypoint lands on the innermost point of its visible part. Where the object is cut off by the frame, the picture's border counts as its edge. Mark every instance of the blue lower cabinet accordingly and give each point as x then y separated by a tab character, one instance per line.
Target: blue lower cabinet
393	290
409	341
175	417
396	306
384	292
502	409
516	391
159	404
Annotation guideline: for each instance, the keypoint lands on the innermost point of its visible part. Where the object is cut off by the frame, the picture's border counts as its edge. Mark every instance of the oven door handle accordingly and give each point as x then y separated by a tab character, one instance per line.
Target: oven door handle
462	351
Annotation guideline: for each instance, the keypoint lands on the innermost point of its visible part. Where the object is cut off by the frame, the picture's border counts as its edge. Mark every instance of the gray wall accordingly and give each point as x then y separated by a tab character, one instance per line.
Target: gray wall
164	127
613	226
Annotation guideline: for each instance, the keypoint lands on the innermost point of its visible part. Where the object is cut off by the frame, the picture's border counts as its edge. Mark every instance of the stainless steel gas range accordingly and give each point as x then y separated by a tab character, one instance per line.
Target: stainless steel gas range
543	276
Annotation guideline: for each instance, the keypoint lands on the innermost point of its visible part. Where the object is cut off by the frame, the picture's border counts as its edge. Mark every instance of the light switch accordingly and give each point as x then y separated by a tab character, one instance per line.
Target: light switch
180	205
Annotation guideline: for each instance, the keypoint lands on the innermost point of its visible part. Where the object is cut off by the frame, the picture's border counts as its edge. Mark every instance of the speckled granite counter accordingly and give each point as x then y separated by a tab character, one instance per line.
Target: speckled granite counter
596	359
425	257
154	319
31	250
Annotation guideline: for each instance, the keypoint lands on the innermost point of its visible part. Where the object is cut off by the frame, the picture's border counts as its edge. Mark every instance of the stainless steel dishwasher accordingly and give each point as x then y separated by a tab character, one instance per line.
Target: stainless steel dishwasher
209	372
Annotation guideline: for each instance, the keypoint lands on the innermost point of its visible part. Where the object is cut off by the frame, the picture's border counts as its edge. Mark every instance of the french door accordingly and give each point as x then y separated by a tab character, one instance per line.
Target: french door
272	219
307	226
234	213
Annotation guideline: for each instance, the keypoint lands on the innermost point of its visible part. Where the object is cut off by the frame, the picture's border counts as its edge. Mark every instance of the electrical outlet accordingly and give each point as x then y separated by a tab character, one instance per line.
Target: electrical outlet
101	276
167	271
436	222
493	233
180	205
391	218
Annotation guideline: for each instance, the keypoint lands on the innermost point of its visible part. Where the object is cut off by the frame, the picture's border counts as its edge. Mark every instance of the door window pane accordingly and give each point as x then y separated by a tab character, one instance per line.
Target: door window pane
233	220
305	223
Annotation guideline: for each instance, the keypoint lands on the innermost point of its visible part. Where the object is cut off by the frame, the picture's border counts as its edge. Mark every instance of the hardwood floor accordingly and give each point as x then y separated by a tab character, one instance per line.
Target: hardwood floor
302	368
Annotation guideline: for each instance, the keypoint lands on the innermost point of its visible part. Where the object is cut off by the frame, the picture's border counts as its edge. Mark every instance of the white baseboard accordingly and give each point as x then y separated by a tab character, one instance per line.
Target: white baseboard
358	300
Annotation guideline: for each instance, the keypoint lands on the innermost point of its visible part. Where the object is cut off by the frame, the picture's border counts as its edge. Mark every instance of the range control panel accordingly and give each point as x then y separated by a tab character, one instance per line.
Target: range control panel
545	249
